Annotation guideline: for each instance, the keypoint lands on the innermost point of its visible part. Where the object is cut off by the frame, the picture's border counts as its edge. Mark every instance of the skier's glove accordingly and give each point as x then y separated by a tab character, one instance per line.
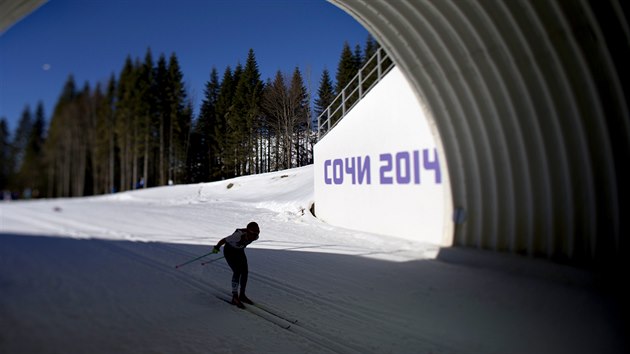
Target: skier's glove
215	249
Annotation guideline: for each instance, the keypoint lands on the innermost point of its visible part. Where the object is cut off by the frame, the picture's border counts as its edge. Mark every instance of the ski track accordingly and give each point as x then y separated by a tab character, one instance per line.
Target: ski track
322	341
336	320
317	309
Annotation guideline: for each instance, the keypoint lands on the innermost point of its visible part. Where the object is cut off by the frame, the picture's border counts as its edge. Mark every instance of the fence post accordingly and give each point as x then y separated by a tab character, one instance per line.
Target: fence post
378	63
360	83
319	126
343	103
328	119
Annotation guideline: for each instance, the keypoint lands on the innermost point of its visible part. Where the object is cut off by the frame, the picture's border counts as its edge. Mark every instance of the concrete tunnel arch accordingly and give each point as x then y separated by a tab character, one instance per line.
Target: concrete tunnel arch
528	101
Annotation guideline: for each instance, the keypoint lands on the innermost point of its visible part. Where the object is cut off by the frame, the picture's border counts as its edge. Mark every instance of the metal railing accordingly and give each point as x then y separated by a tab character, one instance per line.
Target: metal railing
367	77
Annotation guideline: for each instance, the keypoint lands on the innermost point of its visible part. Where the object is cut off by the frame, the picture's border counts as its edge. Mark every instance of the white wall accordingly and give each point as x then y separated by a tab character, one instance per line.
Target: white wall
378	170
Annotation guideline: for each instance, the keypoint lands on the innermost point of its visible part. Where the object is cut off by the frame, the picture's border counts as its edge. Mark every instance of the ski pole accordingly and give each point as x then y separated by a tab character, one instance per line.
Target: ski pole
192	260
214	260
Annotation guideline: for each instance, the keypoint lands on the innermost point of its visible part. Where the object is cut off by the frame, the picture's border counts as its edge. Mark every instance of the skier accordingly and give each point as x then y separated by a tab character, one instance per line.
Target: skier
234	252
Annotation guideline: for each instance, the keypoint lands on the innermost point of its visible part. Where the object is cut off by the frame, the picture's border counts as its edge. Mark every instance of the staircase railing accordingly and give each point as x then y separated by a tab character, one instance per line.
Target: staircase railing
367	77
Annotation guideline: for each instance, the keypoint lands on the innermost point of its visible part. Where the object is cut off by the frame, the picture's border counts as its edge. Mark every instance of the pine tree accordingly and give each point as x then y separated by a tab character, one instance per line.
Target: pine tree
105	147
276	107
137	119
300	114
346	88
179	123
110	116
69	145
58	143
163	115
358	58
36	149
82	122
224	110
146	113
245	122
207	161
267	131
21	138
99	145
325	97
233	123
369	72
124	122
188	154
346	69
5	155
197	161
31	175
371	46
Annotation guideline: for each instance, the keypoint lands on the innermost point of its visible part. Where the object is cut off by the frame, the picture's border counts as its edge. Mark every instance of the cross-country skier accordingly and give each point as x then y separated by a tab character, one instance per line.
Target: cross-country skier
234	252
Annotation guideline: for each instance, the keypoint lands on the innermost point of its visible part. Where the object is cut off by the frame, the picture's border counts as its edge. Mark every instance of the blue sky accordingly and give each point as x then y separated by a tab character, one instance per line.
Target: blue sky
90	39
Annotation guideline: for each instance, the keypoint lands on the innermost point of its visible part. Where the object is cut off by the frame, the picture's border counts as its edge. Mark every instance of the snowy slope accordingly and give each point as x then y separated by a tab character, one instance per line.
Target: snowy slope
97	275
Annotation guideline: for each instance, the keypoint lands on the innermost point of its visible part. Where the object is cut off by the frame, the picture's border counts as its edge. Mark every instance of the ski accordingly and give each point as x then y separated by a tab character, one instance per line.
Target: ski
230	302
265	315
274	313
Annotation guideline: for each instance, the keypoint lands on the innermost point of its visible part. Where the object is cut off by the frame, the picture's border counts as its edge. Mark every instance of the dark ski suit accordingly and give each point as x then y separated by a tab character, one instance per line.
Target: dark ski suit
234	251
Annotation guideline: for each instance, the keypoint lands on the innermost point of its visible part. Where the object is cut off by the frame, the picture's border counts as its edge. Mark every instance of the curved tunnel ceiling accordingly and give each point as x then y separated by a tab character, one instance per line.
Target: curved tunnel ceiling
528	99
11	11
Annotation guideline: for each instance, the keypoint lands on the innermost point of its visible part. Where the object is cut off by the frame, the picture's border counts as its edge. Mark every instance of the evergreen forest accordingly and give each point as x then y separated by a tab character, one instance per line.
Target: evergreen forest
138	130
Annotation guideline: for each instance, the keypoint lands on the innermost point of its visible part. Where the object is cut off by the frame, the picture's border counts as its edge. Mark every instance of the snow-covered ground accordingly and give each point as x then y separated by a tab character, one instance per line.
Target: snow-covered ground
97	275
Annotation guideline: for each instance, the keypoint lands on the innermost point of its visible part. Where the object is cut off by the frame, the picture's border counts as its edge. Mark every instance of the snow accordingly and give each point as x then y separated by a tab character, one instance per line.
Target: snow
97	275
